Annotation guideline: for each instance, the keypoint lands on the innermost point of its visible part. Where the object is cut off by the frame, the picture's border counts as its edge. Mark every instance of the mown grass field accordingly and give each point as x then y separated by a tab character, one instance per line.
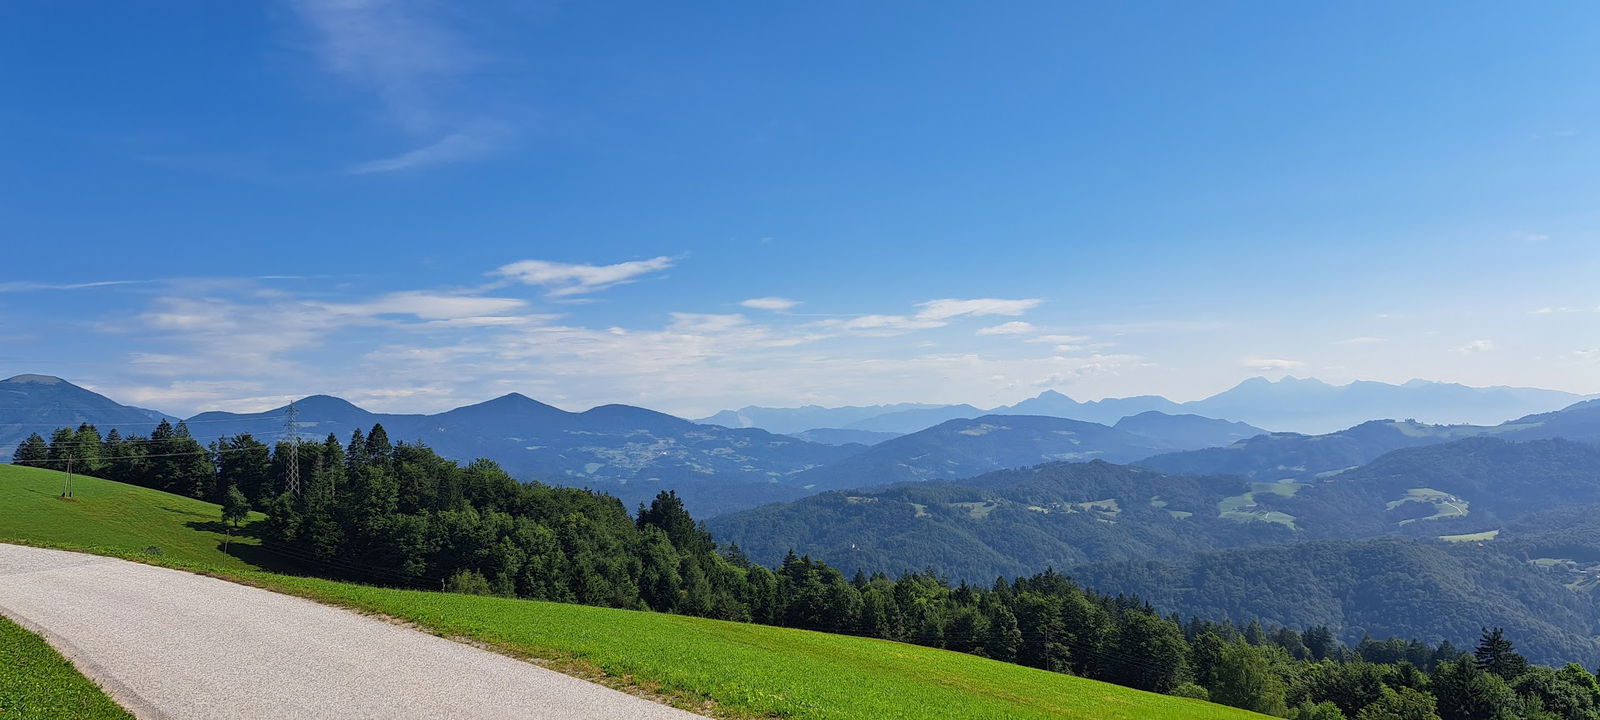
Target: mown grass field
36	683
721	668
102	513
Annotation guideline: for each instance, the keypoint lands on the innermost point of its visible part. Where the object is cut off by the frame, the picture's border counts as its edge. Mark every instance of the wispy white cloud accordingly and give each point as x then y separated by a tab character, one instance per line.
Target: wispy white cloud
889	324
1475	347
1015	327
565	279
1057	339
414	62
429	306
1266	364
931	314
774	304
705	322
947	308
24	286
466	144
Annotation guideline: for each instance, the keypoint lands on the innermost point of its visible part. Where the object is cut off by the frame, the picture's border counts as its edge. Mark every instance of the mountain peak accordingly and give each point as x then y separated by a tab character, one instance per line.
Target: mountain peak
325	401
36	380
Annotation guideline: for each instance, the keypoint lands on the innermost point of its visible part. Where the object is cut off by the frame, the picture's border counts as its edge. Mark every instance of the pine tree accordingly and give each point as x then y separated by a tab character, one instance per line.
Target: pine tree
33	452
355	453
1495	654
379	449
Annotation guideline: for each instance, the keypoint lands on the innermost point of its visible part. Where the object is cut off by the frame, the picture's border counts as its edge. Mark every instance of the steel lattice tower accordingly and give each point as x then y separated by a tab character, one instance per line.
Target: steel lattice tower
291	474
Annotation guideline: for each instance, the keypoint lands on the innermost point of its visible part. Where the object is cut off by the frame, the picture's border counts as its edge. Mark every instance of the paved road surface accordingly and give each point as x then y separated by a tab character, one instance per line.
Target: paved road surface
169	644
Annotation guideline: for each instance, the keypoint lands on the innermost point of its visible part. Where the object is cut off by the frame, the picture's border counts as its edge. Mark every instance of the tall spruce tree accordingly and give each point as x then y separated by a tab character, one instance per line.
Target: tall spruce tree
33	452
1496	655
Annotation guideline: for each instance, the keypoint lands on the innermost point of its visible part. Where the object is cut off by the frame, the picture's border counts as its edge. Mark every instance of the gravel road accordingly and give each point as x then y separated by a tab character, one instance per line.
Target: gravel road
169	644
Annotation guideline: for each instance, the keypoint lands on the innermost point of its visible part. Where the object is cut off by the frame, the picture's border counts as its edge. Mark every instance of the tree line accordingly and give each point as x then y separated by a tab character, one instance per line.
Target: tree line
396	513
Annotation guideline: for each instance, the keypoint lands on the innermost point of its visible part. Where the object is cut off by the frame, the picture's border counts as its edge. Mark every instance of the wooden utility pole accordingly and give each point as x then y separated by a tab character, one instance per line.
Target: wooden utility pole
68	491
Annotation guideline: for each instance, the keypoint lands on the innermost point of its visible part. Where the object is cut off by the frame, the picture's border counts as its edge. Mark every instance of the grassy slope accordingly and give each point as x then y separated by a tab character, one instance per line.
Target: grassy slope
109	514
727	669
37	683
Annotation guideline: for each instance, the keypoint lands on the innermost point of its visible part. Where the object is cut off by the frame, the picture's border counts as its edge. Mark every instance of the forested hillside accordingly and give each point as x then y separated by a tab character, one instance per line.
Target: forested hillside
1430	591
1006	522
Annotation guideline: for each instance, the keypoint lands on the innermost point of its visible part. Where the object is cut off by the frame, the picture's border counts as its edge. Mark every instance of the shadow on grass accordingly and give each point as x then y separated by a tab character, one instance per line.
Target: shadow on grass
253	552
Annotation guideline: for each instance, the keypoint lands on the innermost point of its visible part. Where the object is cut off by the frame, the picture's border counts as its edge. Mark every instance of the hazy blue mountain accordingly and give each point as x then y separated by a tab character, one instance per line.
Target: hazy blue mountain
629	452
1187	432
795	420
1304	405
1292	456
42	403
910	421
1312	406
1105	412
844	436
966	447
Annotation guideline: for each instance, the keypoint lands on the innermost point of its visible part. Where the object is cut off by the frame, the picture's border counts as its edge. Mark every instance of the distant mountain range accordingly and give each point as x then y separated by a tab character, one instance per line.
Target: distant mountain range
633	452
1292	456
1302	405
629	452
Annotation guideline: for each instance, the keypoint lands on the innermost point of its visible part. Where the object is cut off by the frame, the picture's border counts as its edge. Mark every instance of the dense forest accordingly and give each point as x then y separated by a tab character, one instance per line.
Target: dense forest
397	513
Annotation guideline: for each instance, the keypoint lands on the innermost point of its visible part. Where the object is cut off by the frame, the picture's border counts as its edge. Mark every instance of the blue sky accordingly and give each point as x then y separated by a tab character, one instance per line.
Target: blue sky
420	204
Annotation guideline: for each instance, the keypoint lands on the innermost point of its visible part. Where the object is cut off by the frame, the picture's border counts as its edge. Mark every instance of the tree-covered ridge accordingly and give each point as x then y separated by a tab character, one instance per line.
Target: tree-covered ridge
1011	522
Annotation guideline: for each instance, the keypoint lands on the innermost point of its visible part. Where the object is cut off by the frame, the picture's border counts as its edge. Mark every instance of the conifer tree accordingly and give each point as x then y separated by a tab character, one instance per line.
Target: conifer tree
1496	655
33	452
